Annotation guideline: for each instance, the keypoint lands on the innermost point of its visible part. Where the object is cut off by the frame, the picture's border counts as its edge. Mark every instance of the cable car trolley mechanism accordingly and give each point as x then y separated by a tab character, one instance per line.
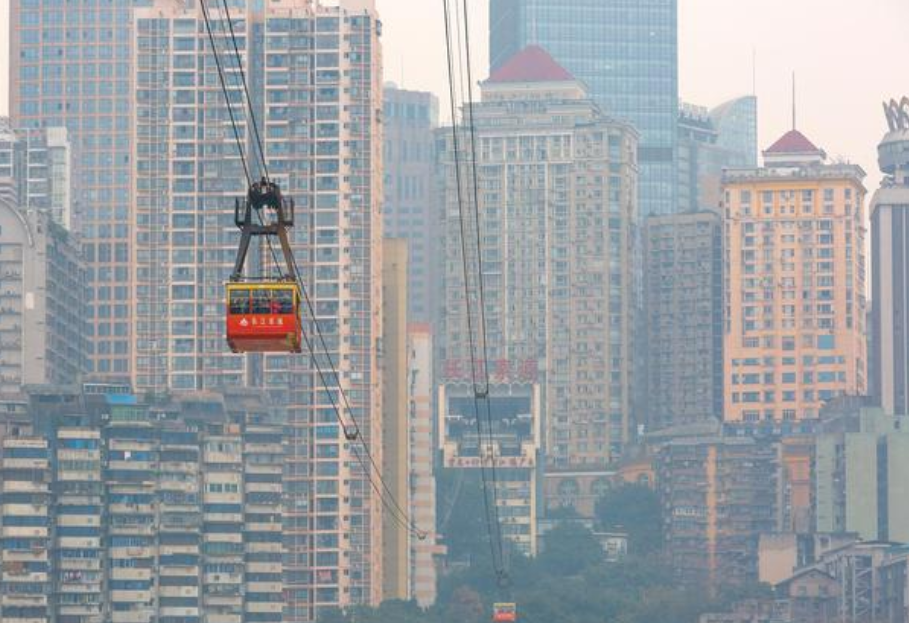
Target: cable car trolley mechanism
263	314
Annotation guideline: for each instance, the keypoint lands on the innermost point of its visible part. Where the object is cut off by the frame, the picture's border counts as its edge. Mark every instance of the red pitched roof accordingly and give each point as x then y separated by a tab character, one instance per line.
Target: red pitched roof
532	64
792	142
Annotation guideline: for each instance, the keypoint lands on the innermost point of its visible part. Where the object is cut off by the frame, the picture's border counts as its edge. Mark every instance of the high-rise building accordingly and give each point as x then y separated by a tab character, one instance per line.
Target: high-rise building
73	69
683	294
43	331
626	53
410	209
557	210
890	266
396	439
423	552
794	284
314	76
710	141
38	163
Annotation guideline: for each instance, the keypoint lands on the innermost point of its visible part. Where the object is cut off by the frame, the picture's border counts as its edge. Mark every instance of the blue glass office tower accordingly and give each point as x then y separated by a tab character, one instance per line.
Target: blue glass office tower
626	52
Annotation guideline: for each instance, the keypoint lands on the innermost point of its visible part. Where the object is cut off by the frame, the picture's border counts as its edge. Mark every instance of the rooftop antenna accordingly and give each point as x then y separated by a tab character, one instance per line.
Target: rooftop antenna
793	101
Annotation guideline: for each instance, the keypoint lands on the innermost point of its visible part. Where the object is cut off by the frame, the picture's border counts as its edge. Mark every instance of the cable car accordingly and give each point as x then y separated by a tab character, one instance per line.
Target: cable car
504	613
263	315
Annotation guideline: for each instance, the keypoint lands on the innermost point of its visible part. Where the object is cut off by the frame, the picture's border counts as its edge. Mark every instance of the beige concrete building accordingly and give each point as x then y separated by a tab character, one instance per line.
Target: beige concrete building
424	553
396	439
42	304
557	209
795	284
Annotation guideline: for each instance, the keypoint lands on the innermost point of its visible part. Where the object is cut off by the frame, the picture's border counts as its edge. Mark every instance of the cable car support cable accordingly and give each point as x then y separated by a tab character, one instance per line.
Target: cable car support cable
388	499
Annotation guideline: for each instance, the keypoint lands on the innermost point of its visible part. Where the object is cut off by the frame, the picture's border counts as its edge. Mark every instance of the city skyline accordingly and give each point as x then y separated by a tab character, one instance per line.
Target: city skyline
818	70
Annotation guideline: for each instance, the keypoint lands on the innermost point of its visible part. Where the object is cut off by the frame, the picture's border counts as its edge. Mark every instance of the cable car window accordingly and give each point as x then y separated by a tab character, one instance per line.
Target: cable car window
239	301
260	302
285	301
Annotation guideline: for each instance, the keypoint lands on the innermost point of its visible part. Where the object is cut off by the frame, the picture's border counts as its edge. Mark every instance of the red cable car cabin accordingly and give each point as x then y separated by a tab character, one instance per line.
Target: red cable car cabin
504	613
263	317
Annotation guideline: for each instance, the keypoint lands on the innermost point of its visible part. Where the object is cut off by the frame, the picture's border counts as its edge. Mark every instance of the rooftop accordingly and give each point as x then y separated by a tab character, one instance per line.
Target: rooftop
532	64
792	142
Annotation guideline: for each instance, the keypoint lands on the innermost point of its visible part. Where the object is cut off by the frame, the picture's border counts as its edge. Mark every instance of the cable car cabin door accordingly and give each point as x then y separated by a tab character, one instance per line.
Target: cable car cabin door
263	317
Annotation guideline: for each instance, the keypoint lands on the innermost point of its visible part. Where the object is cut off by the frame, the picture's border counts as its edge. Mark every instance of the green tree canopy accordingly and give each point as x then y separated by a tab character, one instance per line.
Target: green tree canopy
636	510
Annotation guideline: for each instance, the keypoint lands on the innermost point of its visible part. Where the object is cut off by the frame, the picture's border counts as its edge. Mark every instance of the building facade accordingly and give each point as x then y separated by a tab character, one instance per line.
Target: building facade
856	483
794	284
710	141
396	436
410	209
38	164
683	296
626	53
83	83
719	495
309	67
43	307
181	521
558	214
890	266
424	553
509	448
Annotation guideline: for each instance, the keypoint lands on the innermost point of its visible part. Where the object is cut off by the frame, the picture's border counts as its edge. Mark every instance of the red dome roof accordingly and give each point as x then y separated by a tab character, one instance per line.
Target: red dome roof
532	64
793	142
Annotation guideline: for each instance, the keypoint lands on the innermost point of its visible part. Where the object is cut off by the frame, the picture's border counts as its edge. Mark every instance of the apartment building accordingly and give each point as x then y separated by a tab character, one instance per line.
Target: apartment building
558	212
795	284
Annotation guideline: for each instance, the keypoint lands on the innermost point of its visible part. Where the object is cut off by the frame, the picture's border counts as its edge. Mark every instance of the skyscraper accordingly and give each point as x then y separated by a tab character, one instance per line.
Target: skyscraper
314	75
72	68
557	213
410	210
626	53
890	266
710	141
795	284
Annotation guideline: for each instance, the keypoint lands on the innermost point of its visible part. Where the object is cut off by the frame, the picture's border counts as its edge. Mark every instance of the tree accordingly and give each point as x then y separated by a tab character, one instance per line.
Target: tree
569	549
465	607
635	510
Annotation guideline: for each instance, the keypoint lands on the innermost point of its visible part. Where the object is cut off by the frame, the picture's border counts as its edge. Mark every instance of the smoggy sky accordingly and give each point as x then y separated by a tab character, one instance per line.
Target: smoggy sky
848	55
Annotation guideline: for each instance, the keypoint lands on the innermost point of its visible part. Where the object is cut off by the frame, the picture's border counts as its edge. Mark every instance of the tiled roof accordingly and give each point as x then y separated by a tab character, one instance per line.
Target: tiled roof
792	142
532	64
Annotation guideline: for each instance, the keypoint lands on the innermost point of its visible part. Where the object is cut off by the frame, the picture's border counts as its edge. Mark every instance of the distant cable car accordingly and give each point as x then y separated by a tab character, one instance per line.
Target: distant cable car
263	315
504	613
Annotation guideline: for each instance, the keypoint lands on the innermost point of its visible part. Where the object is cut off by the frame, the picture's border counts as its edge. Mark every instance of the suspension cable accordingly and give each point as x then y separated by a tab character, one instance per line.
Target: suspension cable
387	499
482	307
249	104
230	110
491	514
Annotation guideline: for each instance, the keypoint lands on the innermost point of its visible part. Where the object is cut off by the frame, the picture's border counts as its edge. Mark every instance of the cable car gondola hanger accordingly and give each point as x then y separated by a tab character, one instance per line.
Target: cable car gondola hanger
263	315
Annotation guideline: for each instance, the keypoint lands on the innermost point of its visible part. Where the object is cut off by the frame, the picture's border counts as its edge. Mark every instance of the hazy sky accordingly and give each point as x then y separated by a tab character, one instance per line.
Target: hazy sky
848	56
